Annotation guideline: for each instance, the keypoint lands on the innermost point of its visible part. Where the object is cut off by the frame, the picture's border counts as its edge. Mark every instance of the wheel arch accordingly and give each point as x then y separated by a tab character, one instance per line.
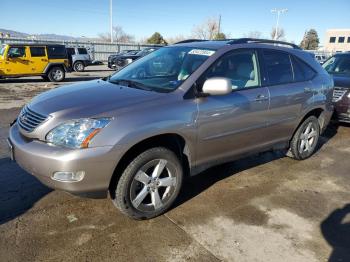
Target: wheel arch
318	112
172	141
50	65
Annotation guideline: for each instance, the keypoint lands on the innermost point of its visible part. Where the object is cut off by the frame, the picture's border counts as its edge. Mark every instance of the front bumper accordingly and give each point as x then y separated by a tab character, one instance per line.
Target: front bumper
42	160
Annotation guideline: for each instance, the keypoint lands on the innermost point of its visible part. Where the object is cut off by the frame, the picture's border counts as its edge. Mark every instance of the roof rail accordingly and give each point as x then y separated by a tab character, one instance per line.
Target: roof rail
261	41
190	40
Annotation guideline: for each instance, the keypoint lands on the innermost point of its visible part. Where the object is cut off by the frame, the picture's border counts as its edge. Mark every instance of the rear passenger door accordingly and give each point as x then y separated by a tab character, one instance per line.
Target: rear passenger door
290	90
38	59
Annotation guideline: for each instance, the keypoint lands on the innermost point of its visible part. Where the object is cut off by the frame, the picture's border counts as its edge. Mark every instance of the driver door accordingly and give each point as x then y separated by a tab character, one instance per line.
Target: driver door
232	124
18	62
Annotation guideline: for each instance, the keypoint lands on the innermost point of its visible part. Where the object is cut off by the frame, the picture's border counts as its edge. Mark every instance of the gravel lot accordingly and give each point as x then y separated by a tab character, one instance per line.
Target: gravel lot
263	208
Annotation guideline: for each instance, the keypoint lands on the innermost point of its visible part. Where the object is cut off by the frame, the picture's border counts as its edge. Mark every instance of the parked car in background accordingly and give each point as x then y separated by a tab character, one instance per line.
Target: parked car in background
120	61
79	58
171	114
48	61
339	67
123	52
320	58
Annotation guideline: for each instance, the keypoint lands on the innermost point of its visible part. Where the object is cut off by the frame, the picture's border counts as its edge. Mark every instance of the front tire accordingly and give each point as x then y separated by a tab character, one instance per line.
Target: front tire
305	139
150	184
56	74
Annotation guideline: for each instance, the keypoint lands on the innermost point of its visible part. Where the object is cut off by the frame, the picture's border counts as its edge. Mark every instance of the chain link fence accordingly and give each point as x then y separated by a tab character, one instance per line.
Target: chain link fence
98	50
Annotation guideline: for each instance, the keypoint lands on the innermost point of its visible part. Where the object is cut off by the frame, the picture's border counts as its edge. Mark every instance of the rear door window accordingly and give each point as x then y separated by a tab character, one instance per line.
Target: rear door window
56	52
71	51
278	67
37	51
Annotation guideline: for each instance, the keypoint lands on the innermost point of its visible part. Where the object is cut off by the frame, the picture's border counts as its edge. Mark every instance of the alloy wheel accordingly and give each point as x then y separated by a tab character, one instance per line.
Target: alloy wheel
308	138
153	185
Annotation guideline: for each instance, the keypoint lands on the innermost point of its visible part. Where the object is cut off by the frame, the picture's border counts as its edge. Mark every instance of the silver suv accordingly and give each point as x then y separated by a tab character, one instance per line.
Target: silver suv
173	113
79	58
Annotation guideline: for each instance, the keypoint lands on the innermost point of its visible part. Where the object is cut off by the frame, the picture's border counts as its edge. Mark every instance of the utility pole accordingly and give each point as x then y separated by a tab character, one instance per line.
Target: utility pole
278	12
219	27
111	18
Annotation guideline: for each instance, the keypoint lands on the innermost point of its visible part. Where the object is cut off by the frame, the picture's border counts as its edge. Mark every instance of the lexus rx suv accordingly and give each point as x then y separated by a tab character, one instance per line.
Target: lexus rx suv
173	113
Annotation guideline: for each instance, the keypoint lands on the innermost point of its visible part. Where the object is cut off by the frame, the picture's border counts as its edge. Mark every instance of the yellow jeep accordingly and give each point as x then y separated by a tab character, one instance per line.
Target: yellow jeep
48	61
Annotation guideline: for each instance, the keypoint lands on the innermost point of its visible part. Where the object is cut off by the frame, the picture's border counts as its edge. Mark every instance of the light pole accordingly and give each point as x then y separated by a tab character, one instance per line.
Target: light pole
279	12
111	18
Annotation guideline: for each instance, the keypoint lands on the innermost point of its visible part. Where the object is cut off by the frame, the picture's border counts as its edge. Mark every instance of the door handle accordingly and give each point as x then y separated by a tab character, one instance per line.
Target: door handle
261	97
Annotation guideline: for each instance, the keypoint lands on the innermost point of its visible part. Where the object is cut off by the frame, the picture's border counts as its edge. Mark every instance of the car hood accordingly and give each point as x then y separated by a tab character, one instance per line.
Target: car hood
341	81
90	99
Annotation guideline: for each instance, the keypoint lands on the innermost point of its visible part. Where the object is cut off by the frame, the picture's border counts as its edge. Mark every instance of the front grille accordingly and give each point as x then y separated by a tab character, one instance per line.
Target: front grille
338	94
28	120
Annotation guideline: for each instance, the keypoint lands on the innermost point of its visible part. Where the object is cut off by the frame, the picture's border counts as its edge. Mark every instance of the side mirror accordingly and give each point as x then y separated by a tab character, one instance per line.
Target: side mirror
217	86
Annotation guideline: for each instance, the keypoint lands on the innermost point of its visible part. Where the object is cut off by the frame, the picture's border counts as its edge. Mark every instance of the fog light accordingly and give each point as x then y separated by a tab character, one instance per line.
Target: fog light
68	176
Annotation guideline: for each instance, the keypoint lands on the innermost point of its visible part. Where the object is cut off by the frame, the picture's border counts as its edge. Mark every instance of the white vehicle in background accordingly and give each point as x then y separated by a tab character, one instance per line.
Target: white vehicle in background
320	58
79	58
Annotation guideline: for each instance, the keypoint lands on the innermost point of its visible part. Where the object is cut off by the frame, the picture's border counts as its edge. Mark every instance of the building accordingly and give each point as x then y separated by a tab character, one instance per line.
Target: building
337	40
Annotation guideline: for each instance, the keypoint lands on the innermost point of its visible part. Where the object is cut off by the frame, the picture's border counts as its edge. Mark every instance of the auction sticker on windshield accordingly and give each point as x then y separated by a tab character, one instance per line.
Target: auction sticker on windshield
201	52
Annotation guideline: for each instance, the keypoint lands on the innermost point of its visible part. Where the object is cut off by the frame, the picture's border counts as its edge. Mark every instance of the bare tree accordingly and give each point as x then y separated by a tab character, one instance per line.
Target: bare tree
253	34
119	36
280	34
207	30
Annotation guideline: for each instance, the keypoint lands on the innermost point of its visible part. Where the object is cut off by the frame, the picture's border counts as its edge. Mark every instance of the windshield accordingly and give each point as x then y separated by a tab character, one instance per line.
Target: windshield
163	70
144	52
2	50
338	65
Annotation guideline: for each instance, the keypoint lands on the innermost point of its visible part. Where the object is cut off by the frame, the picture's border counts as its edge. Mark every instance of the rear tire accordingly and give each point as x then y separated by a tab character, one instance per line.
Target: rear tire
305	139
150	184
78	66
56	74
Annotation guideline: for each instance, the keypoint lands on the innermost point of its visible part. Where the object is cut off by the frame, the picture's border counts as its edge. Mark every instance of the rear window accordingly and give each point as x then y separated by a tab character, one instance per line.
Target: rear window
37	51
278	67
302	71
82	51
56	52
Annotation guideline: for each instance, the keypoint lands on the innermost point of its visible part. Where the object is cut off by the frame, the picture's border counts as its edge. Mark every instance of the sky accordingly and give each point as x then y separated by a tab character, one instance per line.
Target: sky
171	18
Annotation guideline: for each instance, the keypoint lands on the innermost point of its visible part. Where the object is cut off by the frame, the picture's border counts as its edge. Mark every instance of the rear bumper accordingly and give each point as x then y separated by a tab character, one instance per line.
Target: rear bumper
42	161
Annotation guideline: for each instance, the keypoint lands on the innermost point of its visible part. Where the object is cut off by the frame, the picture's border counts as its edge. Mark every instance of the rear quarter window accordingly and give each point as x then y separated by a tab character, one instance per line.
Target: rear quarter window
302	71
56	52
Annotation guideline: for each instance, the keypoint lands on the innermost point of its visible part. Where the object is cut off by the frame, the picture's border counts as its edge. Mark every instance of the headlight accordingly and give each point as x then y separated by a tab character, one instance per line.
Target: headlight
76	133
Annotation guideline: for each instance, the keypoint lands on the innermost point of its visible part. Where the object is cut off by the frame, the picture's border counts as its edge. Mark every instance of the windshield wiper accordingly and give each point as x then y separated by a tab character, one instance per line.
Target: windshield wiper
130	83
